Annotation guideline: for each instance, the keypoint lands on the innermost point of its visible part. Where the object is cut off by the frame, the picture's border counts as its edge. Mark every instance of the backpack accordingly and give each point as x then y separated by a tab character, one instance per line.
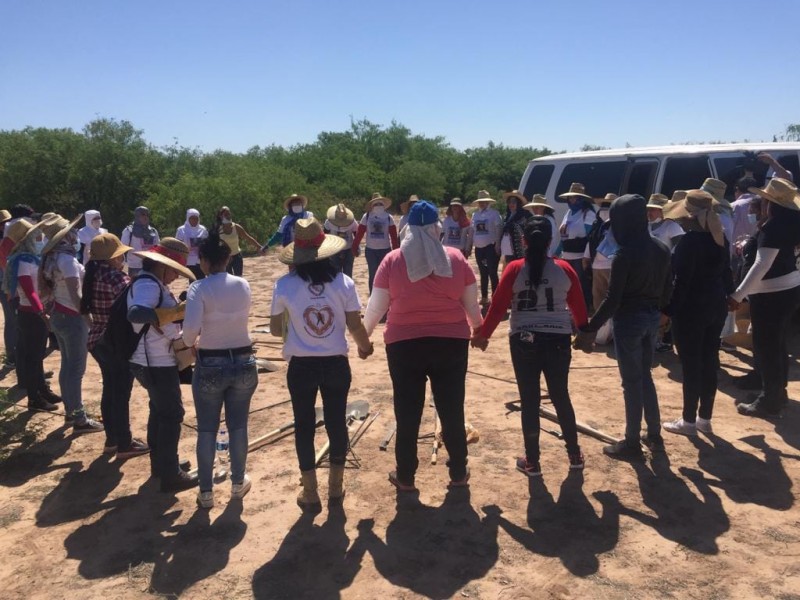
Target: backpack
596	234
119	335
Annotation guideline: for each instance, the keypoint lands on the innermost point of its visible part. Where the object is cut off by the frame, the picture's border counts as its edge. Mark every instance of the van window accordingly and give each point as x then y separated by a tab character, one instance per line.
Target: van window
731	168
791	163
684	173
641	178
538	181
599	178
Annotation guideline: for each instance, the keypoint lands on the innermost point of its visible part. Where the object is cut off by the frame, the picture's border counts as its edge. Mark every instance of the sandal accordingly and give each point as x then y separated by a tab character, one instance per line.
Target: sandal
401	487
463	482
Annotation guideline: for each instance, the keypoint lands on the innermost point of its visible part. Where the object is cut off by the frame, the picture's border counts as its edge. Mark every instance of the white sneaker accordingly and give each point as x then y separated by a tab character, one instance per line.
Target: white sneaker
680	426
703	425
205	499
239	490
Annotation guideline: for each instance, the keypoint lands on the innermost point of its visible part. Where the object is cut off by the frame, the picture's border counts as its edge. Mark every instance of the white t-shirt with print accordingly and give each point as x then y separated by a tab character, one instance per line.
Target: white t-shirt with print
576	227
192	237
487	226
317	321
455	235
377	236
145	292
137	243
66	266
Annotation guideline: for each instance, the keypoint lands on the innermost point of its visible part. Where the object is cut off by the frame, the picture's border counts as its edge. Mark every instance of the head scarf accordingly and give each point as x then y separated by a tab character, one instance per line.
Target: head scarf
25	252
190	230
421	246
88	232
146	232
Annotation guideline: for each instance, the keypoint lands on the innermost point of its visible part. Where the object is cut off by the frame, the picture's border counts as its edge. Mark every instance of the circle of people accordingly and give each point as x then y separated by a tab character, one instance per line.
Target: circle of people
650	272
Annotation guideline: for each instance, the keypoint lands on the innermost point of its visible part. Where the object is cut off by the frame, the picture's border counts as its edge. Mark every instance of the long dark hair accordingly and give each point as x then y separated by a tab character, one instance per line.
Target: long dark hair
319	272
538	235
87	289
215	250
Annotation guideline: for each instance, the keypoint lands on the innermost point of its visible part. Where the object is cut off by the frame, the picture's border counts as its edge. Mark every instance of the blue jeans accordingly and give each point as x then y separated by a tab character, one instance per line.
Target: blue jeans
72	334
374	258
219	381
635	335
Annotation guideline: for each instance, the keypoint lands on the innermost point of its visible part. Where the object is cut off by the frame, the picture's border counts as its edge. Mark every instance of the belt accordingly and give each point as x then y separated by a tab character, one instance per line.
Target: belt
203	353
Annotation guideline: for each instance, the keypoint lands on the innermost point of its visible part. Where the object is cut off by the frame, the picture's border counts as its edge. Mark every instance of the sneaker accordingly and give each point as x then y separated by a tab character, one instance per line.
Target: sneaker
87	426
703	425
757	409
654	443
576	461
110	447
680	427
623	450
135	448
50	395
37	403
239	490
750	381
531	469
205	499
179	482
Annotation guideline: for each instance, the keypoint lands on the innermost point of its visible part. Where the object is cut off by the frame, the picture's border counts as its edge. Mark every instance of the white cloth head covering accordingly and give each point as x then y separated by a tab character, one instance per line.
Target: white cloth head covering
192	232
87	233
424	253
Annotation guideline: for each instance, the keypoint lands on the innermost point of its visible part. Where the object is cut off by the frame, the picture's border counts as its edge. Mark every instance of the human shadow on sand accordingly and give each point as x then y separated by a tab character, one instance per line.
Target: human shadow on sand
434	551
743	477
141	529
680	515
313	561
569	528
32	458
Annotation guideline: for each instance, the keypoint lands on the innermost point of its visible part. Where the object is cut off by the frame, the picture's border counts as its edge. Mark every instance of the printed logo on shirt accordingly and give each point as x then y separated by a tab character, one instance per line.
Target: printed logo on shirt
480	228
376	229
316	289
454	234
194	242
319	321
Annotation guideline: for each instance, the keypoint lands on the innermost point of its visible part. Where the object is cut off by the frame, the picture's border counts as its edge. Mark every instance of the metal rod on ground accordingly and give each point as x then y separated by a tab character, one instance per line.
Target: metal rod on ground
388	437
363	428
582	427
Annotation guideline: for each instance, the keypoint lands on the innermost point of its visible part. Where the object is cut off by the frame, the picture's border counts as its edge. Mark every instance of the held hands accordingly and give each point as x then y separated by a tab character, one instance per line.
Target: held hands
584	341
478	341
733	304
363	355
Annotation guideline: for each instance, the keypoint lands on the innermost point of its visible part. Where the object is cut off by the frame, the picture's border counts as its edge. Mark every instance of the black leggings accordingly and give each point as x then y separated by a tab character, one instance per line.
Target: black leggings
488	260
236	265
31	348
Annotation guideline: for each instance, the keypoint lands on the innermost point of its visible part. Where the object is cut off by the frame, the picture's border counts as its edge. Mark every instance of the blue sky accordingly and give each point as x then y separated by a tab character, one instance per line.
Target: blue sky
559	74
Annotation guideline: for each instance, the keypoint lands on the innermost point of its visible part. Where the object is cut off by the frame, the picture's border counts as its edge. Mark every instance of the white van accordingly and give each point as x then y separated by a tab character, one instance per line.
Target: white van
648	170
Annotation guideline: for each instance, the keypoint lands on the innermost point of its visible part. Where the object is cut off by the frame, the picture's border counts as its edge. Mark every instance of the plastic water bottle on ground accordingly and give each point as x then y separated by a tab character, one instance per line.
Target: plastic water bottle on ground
221	461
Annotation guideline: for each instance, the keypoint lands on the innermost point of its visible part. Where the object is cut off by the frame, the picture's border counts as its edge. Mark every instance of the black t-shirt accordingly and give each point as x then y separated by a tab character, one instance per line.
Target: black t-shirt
783	235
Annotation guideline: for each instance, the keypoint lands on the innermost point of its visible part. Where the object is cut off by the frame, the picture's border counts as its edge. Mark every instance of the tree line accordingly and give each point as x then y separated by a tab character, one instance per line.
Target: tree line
110	166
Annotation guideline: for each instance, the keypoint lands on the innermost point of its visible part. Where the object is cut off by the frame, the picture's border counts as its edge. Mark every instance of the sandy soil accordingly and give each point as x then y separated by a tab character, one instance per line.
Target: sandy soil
715	517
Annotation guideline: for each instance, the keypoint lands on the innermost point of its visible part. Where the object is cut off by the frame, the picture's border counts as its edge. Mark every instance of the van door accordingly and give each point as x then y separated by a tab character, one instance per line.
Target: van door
641	176
684	173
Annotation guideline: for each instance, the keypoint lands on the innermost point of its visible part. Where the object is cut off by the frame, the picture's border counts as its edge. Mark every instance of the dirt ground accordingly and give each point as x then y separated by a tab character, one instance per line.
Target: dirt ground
715	517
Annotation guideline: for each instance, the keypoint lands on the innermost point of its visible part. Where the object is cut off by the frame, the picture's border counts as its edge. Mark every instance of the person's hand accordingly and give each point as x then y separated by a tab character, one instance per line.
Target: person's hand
663	321
562	230
733	304
765	158
478	341
584	341
364	354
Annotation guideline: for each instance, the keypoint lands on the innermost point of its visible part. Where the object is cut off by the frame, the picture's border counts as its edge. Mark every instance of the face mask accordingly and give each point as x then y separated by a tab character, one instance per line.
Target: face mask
656	221
378	209
603	214
752	218
297	208
39	246
226	221
76	245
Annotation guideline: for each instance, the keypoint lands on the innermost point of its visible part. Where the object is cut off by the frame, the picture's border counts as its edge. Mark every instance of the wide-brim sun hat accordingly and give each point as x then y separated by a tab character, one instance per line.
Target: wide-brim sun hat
378	197
411	199
56	229
607	199
291	199
515	194
576	190
657	201
107	246
456	202
170	252
780	191
716	188
310	244
539	200
18	232
340	215
483	196
4	216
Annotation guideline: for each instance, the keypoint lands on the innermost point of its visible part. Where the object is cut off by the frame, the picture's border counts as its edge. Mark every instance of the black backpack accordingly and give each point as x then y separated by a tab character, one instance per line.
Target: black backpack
119	335
596	234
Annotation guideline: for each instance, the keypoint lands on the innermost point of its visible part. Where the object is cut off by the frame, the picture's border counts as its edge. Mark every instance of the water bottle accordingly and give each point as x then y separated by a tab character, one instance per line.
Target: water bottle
222	455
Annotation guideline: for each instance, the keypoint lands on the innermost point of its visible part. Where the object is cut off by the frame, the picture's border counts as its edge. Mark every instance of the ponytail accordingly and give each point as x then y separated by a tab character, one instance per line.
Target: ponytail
538	235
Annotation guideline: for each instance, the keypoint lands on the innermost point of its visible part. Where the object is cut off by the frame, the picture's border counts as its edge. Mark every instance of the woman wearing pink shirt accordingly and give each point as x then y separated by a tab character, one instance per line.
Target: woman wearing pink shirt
431	295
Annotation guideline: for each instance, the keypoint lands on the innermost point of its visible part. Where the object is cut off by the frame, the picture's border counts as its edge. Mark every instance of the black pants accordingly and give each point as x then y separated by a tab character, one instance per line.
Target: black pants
31	348
411	364
487	260
166	415
551	354
696	337
236	265
116	396
198	272
330	375
771	315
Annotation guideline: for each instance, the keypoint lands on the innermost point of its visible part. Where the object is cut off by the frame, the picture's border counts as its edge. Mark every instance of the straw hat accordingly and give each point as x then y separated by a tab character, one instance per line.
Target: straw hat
657	201
456	202
716	188
289	200
340	215
107	246
607	199
576	189
55	229
678	195
310	244
539	200
780	191
697	204
515	194
411	199
4	216
18	232
170	252
377	197
483	196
